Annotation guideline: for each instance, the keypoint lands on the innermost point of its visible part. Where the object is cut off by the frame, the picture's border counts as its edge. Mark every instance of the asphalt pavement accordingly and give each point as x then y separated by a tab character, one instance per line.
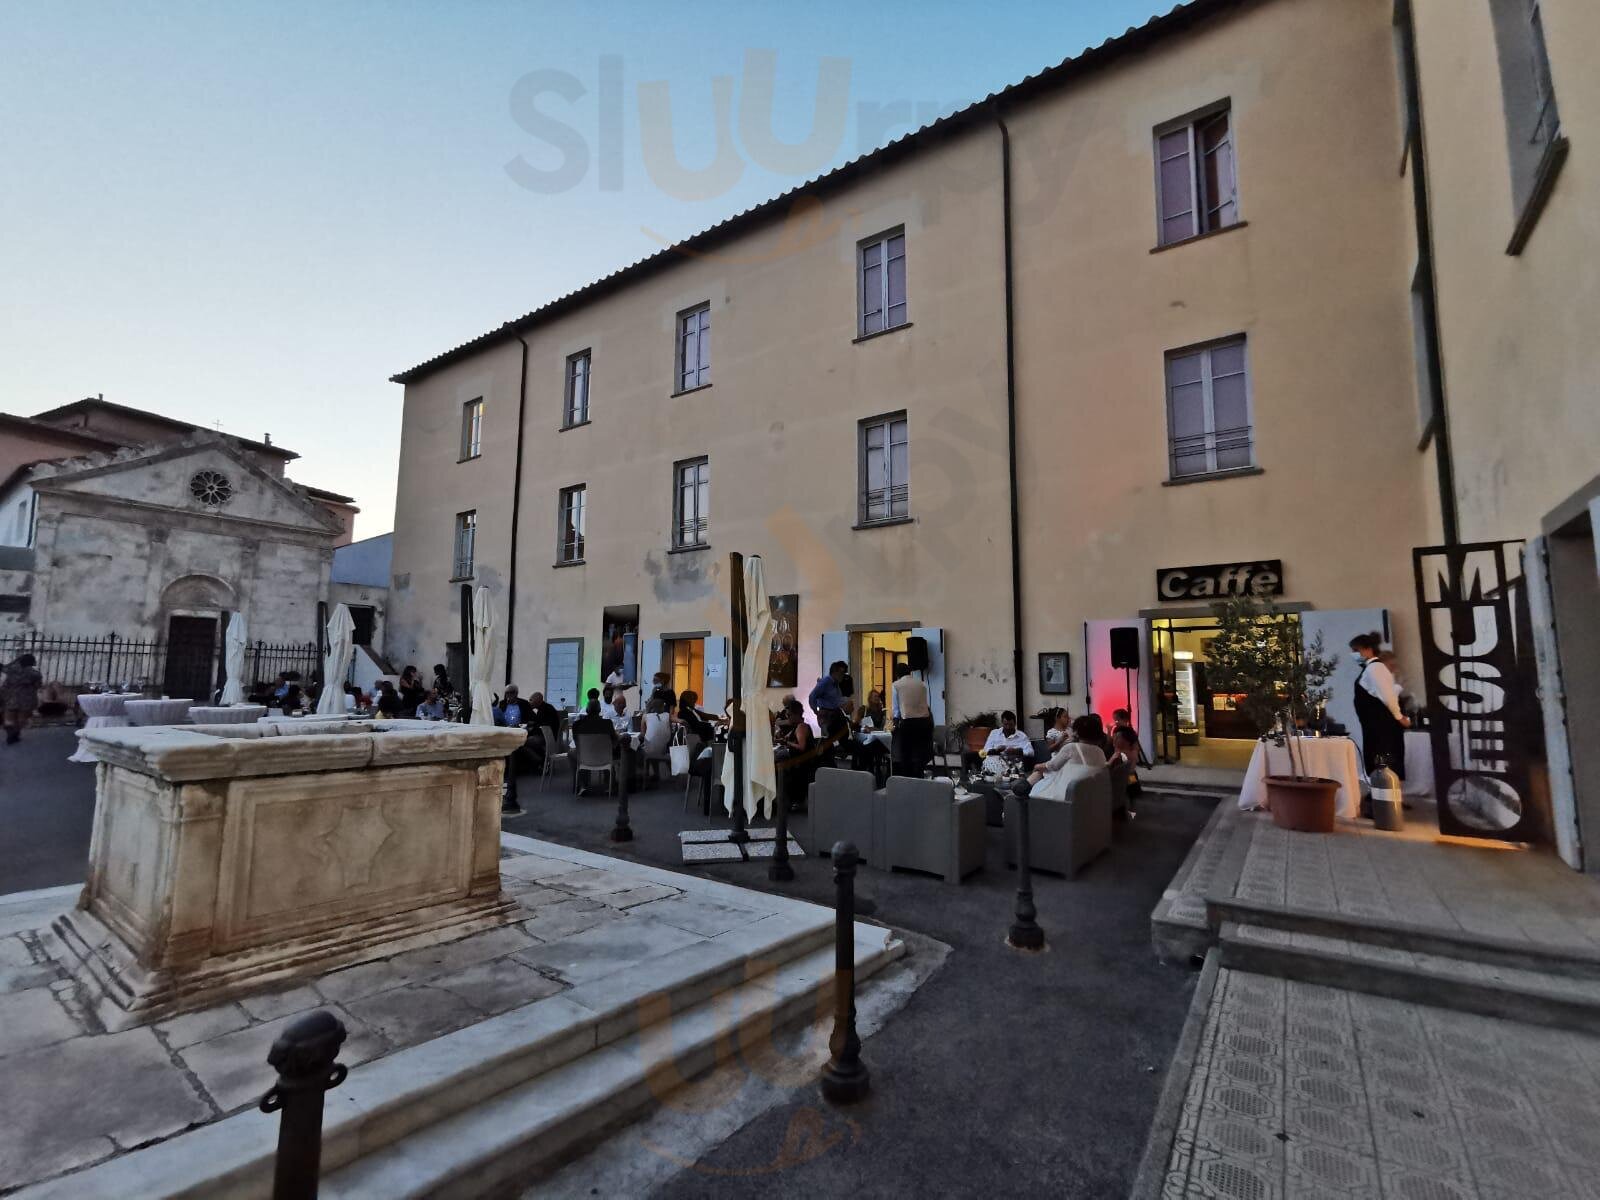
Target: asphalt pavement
46	811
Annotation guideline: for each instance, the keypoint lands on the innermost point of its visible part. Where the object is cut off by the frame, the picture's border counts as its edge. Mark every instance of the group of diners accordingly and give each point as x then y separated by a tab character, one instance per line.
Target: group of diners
1068	740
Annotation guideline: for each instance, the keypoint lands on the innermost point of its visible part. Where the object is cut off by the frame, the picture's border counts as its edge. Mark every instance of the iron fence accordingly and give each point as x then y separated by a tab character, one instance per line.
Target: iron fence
114	661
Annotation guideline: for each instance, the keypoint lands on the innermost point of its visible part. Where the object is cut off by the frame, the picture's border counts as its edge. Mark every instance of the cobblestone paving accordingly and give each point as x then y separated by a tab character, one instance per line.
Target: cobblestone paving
1308	1091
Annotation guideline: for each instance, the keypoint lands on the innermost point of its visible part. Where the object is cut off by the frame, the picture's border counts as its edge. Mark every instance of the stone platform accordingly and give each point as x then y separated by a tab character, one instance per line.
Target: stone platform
474	1062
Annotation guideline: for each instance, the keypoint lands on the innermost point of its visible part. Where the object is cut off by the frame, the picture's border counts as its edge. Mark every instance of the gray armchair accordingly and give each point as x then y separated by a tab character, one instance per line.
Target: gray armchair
845	807
927	829
1065	834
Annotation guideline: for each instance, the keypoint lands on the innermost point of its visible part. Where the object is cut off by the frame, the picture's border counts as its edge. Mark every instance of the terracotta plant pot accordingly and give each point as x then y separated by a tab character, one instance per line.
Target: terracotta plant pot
1303	805
977	735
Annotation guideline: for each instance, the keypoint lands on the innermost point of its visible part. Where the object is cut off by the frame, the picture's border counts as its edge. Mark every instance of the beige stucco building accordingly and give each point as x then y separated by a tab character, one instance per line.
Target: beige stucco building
1168	305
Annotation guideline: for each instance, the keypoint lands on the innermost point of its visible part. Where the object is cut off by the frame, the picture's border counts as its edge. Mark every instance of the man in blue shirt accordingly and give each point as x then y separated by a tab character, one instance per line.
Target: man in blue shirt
827	701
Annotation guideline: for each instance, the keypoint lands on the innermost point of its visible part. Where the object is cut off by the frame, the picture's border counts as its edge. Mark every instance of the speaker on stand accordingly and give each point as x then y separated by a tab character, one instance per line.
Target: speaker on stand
1125	655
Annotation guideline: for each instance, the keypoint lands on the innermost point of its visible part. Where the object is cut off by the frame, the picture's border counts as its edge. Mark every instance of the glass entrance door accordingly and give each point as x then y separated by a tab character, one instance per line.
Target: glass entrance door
1166	689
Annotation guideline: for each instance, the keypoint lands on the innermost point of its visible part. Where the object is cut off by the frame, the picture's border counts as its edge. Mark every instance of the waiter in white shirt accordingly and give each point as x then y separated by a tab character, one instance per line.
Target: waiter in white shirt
1383	724
912	750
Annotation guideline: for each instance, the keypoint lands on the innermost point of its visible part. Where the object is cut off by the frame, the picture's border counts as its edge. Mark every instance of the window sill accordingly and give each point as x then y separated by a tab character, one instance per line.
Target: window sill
1544	182
1200	237
884	524
1234	473
689	549
575	562
462	578
867	337
688	391
573	425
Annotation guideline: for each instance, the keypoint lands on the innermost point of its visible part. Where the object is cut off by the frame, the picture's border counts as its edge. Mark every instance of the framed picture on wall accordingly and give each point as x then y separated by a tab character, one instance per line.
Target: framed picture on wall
783	668
1055	673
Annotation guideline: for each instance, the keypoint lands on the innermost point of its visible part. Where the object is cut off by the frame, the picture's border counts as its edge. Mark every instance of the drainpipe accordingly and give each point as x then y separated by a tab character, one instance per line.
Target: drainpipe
1011	415
516	512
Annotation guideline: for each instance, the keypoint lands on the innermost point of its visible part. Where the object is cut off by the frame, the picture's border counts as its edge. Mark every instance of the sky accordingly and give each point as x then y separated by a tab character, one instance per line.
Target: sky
251	215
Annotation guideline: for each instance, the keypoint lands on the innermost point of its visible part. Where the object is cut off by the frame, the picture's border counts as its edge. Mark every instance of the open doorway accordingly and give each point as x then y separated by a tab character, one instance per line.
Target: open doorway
1196	723
684	659
872	660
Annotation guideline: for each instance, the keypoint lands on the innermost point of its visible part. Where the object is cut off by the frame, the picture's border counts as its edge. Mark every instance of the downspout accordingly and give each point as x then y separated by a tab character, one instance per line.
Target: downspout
1011	415
516	512
1443	458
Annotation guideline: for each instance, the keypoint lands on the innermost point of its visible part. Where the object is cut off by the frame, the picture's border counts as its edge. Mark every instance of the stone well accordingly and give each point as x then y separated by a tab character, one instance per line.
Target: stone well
226	858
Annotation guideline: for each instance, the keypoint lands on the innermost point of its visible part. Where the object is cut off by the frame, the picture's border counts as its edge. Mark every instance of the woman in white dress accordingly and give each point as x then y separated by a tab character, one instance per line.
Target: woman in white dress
1049	780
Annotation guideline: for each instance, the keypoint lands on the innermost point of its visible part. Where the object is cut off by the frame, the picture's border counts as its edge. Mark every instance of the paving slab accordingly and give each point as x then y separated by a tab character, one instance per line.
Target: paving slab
707	917
498	985
81	1117
233	1068
563	920
268	1006
607	949
33	1018
202	1026
414	1012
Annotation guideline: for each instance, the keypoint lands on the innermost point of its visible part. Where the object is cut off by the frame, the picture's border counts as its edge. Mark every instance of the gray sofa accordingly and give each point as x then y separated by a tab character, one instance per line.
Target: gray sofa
1065	834
926	828
845	807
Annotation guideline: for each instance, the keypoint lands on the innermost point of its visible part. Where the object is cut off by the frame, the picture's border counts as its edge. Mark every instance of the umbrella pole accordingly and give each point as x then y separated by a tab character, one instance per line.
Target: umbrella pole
736	728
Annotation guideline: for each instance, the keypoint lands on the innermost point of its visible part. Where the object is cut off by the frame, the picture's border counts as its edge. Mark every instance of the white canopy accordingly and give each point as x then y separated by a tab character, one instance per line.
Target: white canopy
482	658
341	645
761	786
233	648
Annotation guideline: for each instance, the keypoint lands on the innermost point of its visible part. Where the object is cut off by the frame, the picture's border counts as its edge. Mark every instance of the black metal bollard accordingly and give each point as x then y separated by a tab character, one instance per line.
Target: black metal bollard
304	1057
741	831
622	831
1025	932
845	1078
779	870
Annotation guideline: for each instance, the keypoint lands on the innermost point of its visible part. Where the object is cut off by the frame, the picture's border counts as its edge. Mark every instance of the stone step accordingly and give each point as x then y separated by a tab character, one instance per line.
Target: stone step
1489	989
526	1130
1569	960
393	1097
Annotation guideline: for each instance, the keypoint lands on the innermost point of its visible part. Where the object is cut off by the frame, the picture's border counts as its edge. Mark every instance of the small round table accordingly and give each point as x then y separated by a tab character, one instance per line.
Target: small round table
105	711
226	714
158	712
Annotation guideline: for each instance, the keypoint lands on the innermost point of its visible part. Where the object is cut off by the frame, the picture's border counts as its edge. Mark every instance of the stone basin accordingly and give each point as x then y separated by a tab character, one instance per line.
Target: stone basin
228	858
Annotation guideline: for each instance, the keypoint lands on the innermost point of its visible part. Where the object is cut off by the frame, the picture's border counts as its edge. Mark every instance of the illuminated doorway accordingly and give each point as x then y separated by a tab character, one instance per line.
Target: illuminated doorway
873	657
1196	723
685	661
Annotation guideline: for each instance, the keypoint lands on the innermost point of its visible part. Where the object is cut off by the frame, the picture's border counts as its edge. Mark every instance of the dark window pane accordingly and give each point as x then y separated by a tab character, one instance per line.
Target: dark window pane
1227	359
897	283
1176	188
1188	410
1184	368
1190	464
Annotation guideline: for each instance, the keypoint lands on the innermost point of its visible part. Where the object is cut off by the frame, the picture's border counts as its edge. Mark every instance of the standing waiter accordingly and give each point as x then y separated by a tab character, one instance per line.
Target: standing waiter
1377	698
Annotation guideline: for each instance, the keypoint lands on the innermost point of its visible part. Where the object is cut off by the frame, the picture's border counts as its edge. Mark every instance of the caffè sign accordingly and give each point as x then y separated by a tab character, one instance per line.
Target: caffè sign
1219	581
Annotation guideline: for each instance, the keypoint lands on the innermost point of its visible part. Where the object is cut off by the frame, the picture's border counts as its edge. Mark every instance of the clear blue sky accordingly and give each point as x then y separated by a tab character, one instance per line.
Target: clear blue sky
253	214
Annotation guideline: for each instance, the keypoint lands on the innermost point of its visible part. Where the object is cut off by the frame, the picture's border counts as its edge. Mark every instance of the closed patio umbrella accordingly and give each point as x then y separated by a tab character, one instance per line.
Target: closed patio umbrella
761	785
341	645
482	658
233	648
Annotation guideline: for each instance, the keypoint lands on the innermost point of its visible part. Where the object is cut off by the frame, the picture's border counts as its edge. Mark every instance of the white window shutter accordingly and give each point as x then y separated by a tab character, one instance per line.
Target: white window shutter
715	693
935	675
650	663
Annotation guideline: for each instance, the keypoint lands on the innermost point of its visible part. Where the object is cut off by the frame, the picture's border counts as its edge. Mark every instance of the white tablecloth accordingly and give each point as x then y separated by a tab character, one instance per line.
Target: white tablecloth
105	711
228	714
158	712
1419	764
1325	758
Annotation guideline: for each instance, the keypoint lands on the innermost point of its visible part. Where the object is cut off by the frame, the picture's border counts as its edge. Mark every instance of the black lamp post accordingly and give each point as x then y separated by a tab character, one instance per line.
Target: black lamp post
845	1079
1025	931
736	726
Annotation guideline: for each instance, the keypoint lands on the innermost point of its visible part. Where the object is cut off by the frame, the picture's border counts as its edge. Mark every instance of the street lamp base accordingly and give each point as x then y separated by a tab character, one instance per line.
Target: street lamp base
1025	937
780	872
621	834
843	1084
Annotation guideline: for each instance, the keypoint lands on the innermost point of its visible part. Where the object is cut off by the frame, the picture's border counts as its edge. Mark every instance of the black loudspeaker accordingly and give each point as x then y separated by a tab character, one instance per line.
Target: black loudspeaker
917	653
1125	647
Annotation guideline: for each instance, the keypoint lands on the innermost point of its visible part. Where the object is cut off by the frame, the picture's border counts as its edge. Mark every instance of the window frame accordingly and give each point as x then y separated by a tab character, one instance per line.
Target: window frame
471	429
579	544
466	536
1199	203
1528	92
1207	381
864	496
701	314
701	489
881	241
571	417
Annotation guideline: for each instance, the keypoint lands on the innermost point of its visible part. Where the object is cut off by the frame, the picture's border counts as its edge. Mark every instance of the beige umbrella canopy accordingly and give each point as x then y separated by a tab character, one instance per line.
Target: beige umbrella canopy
341	645
234	644
482	658
760	773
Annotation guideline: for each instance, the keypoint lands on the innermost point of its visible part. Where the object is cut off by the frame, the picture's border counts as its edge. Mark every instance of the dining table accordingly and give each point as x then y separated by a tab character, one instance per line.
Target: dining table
158	712
105	710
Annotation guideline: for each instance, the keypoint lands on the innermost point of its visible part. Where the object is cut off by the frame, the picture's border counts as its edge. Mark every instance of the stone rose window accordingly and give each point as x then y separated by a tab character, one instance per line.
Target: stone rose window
211	488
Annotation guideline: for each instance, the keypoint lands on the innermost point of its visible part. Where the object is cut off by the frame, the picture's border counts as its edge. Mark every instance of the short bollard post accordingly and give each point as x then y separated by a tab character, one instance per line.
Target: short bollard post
779	870
304	1057
1025	932
622	831
844	1079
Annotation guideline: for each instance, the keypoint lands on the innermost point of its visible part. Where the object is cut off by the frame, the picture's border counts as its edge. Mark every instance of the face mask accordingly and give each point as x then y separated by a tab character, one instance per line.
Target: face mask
1358	656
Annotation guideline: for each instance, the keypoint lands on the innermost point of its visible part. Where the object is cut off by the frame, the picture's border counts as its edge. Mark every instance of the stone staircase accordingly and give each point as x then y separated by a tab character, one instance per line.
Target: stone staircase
494	1105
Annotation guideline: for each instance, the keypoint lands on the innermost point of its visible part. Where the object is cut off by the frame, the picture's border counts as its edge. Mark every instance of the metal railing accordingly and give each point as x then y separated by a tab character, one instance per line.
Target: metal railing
111	660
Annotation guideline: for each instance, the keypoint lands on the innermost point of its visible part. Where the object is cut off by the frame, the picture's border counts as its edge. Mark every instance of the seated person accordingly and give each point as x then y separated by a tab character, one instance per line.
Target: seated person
389	703
511	711
868	753
594	721
796	757
1125	757
699	725
543	715
1076	749
1058	725
1007	742
617	712
432	708
1096	733
657	727
1121	719
875	715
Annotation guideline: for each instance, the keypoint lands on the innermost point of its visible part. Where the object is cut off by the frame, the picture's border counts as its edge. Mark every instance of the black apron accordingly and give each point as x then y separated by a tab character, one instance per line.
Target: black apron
1381	735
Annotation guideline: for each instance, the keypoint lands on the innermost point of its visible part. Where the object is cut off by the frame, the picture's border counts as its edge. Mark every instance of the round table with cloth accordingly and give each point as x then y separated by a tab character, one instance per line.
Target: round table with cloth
158	712
105	711
226	714
1323	758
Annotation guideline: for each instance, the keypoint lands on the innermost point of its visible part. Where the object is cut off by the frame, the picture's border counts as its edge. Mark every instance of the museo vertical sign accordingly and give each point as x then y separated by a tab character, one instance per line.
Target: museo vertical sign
1486	730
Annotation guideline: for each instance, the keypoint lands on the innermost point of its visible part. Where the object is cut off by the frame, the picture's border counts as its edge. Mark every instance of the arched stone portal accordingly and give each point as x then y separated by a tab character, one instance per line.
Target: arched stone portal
193	606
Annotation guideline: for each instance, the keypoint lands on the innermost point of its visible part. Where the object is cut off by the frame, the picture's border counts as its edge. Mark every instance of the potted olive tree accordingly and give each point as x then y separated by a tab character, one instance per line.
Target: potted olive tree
1258	656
